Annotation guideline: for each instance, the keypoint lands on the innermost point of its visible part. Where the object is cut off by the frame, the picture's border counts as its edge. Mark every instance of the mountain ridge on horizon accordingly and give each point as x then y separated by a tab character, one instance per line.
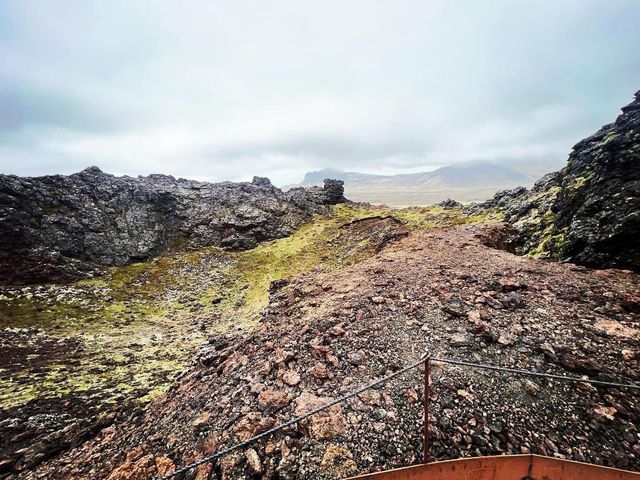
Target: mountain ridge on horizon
465	182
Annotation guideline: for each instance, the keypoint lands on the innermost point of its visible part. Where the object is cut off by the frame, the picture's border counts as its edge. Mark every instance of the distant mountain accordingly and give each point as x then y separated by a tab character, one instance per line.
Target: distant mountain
475	175
353	178
467	182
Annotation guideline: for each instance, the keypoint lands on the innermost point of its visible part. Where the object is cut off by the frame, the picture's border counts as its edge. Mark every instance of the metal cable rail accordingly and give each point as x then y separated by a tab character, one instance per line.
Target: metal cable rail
562	378
425	359
293	421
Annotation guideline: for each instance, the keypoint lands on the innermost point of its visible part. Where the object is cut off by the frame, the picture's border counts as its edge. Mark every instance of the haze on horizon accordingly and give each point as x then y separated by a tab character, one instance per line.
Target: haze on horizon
227	90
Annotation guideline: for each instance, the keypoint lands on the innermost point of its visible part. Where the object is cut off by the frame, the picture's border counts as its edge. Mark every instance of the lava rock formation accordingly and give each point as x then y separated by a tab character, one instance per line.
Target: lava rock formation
589	212
58	228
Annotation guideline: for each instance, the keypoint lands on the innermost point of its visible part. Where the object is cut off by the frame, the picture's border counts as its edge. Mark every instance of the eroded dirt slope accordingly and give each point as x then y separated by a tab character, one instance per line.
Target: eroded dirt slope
325	333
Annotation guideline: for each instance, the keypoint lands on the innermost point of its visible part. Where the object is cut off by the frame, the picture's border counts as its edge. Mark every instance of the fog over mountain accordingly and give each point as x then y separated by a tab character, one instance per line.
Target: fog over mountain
227	90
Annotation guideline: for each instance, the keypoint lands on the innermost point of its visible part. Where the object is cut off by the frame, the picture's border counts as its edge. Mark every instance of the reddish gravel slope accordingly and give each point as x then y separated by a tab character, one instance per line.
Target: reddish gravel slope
326	333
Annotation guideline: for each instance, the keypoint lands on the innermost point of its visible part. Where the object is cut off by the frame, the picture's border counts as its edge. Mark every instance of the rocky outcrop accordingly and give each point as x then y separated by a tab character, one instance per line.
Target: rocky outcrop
589	212
307	198
598	207
528	213
57	228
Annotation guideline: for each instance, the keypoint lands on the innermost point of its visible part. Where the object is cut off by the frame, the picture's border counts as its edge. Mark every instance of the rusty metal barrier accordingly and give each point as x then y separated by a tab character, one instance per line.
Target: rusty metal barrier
505	467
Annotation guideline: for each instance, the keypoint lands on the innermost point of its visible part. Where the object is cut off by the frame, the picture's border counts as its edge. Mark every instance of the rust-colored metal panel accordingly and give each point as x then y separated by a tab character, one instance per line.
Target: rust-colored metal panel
552	468
478	468
506	467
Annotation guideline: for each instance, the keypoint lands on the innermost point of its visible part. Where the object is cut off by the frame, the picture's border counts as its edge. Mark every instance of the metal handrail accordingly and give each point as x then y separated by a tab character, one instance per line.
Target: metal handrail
426	359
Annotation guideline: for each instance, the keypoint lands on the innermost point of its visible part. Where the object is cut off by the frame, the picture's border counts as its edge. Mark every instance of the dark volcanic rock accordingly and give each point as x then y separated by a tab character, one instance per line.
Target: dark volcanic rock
305	198
598	207
449	203
56	228
589	212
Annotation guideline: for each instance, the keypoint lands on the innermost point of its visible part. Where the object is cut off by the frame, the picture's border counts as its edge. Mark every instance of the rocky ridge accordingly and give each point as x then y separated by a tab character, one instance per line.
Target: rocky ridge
57	228
589	212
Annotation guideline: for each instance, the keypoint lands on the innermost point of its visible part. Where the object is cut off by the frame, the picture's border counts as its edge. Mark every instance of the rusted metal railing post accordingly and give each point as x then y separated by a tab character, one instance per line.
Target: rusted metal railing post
426	410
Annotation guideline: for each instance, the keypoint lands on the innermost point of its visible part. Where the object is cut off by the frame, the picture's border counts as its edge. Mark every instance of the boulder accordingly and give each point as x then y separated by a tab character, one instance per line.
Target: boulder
325	425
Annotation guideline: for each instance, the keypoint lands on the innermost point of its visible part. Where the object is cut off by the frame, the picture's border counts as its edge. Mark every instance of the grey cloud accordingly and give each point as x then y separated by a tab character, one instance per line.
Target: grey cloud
24	106
228	89
339	148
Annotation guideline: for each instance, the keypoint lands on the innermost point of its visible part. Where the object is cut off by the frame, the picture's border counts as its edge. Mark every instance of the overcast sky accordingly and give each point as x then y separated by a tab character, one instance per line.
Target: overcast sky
230	89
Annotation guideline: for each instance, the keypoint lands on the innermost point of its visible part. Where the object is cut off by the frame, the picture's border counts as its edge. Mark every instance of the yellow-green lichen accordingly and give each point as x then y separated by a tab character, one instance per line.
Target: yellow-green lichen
577	183
548	241
545	195
422	217
610	137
